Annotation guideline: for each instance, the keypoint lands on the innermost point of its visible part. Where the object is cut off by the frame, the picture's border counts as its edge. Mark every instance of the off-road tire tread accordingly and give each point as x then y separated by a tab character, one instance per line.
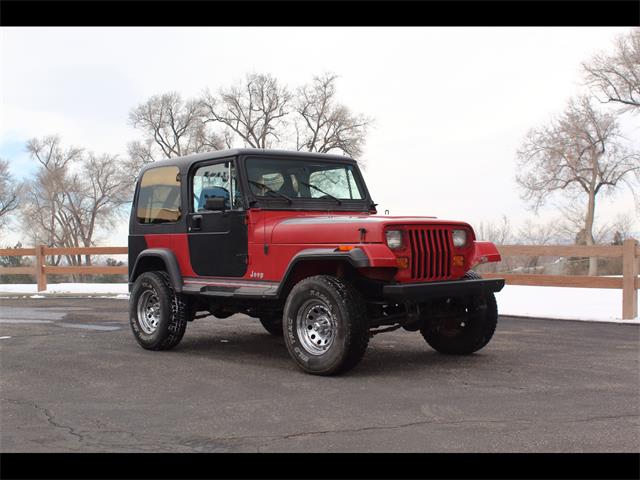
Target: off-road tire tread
356	308
180	312
179	315
357	337
472	275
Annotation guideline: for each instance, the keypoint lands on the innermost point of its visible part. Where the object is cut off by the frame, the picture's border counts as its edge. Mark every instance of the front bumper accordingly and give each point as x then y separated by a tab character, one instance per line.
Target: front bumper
450	288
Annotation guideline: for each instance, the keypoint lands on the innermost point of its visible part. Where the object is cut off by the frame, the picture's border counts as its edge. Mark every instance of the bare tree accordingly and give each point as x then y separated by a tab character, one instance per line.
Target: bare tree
324	125
540	233
256	112
46	219
253	110
616	77
571	226
621	228
171	127
9	192
43	208
140	153
94	195
48	152
71	194
500	233
580	155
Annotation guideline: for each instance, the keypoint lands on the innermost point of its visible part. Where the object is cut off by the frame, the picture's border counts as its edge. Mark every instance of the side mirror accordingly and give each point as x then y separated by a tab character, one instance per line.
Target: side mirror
215	204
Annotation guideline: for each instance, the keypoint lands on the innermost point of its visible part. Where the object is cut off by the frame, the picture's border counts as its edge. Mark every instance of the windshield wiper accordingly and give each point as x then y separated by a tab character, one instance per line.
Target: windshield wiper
320	190
271	190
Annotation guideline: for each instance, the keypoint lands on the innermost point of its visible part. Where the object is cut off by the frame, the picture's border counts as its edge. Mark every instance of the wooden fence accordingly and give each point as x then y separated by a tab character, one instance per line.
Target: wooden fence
629	252
40	269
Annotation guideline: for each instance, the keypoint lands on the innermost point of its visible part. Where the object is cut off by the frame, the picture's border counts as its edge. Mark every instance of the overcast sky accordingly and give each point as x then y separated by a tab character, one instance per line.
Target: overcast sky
451	105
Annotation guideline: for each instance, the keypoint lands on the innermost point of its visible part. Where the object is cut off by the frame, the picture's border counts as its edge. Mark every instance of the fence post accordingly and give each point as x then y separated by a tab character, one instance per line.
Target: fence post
41	275
629	274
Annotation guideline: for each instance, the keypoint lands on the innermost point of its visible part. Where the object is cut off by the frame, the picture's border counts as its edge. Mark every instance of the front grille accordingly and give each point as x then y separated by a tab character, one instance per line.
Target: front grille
430	253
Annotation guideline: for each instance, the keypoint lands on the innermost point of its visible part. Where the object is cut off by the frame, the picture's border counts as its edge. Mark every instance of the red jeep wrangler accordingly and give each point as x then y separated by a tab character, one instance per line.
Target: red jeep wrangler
293	239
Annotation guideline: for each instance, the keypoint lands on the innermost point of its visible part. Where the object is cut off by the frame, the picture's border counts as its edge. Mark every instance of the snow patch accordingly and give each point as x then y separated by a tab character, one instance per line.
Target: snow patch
563	303
118	289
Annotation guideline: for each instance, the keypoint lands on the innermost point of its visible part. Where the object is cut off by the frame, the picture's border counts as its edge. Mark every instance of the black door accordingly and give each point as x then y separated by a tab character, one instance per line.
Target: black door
217	239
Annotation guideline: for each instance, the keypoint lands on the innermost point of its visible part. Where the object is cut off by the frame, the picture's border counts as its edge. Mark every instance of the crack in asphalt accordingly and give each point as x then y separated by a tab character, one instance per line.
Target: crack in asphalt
189	444
608	417
392	427
349	430
51	419
82	437
227	442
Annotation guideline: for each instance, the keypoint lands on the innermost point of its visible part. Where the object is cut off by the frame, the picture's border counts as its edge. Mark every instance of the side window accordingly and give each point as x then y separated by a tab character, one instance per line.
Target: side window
159	196
217	180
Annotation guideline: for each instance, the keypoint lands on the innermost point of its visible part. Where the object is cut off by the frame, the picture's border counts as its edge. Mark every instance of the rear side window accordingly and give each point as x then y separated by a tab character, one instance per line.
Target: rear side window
159	197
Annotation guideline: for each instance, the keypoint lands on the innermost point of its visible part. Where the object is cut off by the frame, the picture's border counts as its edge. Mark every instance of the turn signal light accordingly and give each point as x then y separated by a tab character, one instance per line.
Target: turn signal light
345	248
403	262
458	260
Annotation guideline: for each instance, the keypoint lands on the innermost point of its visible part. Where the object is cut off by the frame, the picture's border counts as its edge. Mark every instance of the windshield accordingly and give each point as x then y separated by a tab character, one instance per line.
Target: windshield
302	179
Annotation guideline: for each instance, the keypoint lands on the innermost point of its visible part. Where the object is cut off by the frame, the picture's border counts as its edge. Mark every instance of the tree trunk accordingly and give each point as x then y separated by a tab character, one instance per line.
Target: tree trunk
588	232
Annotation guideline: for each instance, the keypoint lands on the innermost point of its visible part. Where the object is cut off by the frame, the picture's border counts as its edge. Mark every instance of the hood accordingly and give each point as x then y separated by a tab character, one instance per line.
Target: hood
333	229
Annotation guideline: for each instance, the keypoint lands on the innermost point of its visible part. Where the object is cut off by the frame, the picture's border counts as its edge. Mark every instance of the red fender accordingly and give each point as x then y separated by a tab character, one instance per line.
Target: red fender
484	252
379	255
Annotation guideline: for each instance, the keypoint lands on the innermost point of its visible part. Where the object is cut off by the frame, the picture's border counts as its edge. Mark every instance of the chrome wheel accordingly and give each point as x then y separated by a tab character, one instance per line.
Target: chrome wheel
149	311
316	327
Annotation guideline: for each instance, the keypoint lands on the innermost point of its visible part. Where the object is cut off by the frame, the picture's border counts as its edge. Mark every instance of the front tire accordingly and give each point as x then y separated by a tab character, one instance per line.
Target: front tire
325	325
157	314
467	331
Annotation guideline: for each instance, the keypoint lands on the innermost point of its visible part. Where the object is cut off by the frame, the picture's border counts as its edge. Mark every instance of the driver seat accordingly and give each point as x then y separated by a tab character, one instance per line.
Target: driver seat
287	187
211	192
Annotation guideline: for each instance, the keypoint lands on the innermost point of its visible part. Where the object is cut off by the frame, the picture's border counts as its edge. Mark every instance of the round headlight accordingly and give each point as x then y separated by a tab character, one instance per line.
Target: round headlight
394	239
459	238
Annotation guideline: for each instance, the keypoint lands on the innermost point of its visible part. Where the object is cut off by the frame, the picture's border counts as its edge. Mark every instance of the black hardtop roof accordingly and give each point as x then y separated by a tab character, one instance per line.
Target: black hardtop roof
196	157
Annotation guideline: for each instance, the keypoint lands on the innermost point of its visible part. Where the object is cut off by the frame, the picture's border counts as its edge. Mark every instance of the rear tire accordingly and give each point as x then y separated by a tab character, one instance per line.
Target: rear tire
272	324
466	333
325	325
157	314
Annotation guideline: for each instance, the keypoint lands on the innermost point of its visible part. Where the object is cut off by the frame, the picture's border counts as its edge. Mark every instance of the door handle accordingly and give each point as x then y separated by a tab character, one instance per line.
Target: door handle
196	222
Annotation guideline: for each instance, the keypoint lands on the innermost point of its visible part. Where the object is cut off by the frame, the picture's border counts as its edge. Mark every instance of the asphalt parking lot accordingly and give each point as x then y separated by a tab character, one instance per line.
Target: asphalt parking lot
73	379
